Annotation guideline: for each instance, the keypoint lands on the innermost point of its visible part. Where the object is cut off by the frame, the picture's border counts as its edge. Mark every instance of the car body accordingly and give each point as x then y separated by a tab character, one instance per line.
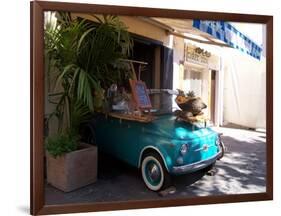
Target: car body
174	147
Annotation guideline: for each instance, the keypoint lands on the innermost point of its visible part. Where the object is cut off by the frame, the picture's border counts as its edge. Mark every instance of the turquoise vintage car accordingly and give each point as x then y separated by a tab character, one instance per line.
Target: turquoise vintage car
159	148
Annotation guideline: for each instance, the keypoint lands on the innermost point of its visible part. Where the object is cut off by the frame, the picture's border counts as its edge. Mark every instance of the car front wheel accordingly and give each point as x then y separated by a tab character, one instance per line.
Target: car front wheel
154	173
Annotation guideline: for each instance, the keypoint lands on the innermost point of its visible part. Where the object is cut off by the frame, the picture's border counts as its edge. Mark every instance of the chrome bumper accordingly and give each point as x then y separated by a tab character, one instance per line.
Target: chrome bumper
195	166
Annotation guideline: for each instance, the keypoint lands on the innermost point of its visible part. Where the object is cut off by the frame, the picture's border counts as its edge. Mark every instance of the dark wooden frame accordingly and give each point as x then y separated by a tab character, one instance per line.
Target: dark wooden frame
37	205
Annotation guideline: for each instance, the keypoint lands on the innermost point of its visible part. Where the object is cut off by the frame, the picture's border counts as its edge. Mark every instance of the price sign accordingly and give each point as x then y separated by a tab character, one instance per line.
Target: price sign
140	94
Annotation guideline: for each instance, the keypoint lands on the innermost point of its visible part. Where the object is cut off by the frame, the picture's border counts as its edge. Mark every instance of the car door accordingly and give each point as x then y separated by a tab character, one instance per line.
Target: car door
125	140
120	138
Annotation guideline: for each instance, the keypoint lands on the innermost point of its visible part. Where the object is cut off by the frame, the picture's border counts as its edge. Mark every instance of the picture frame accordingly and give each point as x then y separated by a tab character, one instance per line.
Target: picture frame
37	203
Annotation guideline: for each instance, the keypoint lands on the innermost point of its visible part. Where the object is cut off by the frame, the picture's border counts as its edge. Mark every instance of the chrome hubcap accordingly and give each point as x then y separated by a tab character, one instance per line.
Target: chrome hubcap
154	172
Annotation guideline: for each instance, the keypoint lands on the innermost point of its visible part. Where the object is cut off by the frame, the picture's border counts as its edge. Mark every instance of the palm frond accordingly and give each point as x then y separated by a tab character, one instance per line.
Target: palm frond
87	59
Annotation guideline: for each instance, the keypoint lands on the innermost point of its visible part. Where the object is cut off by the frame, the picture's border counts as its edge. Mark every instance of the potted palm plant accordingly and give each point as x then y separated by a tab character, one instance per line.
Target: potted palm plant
84	58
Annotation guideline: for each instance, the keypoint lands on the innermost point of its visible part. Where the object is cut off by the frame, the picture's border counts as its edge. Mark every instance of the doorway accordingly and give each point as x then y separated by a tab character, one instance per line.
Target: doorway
158	73
202	82
144	51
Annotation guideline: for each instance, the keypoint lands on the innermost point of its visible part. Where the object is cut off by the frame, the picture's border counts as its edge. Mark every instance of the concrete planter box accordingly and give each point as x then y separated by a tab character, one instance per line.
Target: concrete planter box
73	170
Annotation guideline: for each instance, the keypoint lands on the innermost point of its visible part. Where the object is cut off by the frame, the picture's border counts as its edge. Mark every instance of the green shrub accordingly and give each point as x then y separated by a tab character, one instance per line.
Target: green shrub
61	144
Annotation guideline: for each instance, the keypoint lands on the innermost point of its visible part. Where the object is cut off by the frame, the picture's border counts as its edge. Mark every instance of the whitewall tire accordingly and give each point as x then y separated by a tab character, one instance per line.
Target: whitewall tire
154	173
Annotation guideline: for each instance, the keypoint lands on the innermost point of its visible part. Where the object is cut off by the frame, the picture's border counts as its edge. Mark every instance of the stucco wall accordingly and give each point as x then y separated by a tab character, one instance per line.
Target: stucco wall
244	90
178	71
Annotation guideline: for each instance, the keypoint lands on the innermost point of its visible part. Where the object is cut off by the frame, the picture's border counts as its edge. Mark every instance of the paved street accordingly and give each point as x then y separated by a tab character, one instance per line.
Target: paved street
242	170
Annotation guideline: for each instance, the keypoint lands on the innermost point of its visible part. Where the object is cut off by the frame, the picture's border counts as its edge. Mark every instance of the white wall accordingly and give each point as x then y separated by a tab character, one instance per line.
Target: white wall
177	44
244	89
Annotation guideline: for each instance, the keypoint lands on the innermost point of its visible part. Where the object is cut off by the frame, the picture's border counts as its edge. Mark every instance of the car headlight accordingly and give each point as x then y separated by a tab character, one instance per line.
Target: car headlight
180	160
218	141
184	149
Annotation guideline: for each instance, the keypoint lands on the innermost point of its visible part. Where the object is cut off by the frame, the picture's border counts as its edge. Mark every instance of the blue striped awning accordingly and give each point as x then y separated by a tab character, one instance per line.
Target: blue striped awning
227	33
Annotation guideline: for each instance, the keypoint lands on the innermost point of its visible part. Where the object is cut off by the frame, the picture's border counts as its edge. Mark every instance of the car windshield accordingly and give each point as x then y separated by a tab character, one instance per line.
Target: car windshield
163	101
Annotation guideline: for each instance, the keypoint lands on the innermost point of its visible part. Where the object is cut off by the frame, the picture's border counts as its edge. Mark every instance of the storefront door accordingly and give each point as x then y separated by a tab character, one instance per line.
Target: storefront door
196	82
203	83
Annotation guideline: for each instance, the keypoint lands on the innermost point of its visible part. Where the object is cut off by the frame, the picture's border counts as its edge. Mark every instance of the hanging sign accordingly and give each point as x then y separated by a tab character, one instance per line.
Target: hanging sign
224	31
197	55
200	56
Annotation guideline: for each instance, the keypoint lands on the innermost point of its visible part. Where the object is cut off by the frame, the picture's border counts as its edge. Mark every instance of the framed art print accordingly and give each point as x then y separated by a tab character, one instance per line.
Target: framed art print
137	107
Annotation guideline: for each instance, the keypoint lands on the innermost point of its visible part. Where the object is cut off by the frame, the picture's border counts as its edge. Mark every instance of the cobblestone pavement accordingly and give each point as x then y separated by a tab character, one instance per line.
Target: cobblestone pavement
241	170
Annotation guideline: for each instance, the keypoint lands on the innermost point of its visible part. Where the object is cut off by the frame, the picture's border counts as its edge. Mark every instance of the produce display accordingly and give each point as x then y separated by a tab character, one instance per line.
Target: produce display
191	107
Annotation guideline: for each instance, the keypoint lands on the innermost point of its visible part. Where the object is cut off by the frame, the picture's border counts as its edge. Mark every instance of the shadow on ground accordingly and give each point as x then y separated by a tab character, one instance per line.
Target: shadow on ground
242	170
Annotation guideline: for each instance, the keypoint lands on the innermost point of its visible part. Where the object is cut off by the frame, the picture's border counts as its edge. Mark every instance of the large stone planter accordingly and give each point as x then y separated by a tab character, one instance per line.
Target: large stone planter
73	170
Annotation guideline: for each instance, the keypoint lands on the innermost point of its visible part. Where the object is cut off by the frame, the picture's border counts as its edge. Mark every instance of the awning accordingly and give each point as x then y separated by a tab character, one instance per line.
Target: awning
219	33
226	32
